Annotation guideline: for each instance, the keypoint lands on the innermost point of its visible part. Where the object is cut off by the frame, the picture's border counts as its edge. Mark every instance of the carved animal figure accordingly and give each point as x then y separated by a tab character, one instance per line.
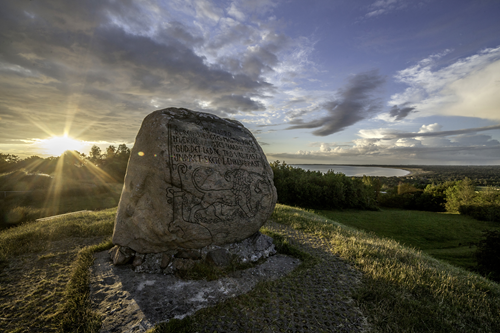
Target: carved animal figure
234	189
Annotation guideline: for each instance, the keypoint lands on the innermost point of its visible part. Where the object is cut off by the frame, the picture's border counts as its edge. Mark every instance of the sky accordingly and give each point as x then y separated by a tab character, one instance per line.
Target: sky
317	81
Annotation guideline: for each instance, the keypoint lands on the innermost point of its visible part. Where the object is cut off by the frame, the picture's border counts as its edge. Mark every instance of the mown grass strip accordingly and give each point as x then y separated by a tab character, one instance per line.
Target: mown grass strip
405	290
30	241
76	313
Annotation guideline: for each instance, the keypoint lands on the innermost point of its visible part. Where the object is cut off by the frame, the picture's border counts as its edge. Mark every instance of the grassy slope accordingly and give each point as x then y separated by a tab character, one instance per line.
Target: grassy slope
403	289
444	236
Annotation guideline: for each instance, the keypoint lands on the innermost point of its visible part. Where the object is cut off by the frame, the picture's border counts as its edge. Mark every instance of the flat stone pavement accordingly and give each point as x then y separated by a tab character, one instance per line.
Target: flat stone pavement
317	299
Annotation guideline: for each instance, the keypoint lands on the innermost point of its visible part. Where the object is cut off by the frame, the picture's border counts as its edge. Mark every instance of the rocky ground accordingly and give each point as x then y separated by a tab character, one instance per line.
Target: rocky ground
317	299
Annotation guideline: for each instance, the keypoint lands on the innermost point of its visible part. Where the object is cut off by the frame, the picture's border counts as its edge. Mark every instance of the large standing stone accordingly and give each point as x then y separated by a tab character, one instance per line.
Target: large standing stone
193	180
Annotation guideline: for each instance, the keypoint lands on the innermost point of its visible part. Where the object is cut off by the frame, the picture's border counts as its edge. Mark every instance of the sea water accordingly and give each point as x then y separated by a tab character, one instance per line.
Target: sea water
354	171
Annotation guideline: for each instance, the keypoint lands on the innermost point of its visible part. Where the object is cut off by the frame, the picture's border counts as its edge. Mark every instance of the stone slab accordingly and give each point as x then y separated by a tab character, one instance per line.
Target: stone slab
193	180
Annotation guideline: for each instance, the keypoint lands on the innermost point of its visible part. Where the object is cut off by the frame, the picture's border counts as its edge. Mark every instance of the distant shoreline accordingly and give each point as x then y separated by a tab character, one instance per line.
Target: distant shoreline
325	167
413	171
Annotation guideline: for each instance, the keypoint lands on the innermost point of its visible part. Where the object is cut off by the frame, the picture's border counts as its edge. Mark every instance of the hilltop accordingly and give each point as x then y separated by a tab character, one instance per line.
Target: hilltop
45	281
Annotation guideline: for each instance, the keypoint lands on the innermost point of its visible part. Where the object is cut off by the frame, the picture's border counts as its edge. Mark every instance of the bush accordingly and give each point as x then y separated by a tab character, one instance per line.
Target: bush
488	255
394	200
486	212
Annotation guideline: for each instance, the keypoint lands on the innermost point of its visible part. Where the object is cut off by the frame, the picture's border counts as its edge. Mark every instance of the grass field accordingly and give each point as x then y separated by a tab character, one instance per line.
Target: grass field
44	277
444	236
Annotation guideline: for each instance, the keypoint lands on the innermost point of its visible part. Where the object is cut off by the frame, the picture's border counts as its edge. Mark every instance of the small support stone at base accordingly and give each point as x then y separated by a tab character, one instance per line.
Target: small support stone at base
252	249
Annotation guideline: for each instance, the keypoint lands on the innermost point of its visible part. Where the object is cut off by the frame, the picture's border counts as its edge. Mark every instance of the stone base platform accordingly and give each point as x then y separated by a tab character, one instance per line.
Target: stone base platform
134	302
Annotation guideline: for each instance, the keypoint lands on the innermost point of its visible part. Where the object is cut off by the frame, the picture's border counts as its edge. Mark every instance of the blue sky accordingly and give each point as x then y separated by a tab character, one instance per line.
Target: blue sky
344	82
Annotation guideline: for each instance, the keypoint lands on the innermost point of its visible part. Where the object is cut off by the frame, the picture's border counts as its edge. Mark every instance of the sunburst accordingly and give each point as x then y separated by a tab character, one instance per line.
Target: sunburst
57	145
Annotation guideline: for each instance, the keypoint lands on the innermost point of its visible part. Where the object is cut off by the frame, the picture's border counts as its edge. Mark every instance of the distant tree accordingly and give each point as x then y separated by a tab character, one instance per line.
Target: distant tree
110	152
463	193
407	188
74	157
115	163
33	158
374	183
123	152
8	161
95	155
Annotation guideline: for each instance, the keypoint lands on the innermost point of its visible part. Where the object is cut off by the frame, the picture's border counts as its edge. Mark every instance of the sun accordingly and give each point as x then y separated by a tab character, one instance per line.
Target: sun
57	145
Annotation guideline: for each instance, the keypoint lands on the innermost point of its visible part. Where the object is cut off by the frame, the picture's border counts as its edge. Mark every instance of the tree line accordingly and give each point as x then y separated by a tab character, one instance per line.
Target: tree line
312	189
109	166
460	196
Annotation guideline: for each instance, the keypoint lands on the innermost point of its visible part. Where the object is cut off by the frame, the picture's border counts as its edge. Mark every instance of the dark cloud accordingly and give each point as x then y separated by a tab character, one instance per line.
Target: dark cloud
231	103
401	112
299	113
355	103
103	65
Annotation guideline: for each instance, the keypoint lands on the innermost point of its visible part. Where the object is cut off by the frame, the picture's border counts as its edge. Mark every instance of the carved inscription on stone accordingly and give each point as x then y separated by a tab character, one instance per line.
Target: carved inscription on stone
212	146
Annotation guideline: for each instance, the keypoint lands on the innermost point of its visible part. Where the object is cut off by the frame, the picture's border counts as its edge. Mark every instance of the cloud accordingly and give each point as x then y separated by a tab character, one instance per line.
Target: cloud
429	145
96	68
381	7
230	104
355	102
251	7
468	87
433	133
432	130
462	149
400	113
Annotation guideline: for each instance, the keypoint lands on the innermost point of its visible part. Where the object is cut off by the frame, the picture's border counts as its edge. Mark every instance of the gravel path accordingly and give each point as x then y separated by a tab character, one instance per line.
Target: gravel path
317	299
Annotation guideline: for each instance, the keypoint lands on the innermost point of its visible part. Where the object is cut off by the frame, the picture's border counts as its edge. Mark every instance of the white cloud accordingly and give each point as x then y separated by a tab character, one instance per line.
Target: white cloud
206	9
430	128
235	12
408	142
324	147
463	148
469	87
381	7
379	133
